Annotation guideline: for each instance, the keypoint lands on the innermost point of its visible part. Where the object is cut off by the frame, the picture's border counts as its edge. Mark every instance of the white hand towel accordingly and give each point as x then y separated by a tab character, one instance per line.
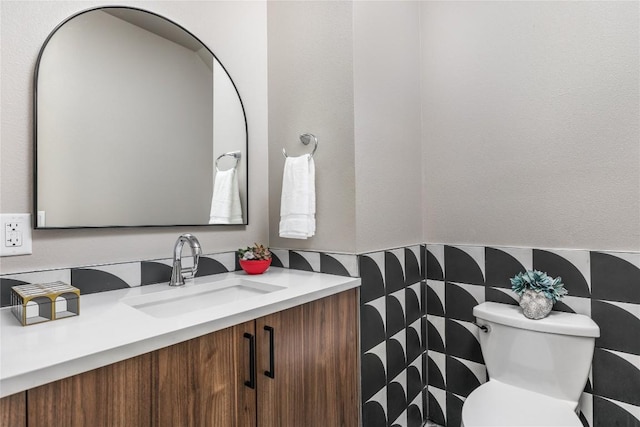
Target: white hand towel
298	202
225	202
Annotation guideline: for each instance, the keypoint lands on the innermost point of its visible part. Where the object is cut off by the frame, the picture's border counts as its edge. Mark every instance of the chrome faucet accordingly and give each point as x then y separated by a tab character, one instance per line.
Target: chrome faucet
178	274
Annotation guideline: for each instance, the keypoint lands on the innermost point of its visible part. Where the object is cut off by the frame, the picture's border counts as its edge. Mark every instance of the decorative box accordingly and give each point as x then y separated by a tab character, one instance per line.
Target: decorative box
36	303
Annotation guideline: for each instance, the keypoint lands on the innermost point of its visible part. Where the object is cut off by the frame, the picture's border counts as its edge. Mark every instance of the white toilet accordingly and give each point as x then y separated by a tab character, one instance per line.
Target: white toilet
537	368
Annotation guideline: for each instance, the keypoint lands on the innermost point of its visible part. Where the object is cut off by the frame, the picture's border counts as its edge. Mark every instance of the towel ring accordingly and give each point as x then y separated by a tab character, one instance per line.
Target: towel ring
235	154
305	138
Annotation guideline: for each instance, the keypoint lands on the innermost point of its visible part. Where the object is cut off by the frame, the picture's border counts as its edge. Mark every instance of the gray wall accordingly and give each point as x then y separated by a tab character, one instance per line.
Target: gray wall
311	90
235	31
387	124
530	124
349	72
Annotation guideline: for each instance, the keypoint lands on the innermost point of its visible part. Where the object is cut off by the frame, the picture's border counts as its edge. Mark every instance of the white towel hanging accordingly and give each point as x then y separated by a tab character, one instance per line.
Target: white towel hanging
298	201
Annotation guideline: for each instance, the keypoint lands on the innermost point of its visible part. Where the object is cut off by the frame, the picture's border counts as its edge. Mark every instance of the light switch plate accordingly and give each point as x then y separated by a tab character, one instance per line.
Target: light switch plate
16	234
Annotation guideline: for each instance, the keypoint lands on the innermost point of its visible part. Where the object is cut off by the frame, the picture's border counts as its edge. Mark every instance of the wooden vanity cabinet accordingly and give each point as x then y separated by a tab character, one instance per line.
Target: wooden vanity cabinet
297	367
305	371
13	410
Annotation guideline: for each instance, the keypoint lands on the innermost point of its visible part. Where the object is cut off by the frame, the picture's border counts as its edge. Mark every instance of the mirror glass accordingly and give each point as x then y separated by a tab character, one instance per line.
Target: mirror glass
131	113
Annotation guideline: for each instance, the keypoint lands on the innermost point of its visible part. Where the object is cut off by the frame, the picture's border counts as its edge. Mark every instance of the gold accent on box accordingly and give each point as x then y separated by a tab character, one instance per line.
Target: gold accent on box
52	301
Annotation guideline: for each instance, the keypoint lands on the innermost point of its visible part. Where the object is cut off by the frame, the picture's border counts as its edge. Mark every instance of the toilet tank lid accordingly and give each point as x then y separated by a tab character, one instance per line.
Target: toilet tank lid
556	322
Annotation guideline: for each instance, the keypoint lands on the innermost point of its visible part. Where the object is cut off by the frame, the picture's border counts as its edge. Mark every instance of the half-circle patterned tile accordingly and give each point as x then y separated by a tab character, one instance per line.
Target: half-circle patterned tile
371	328
208	266
460	380
560	306
414	383
298	262
555	265
396	361
615	378
396	400
460	302
414	346
434	269
90	281
436	413
434	376
330	265
5	290
373	415
412	306
454	410
460	267
414	416
495	295
608	414
373	376
462	343
412	267
434	305
154	272
609	318
276	261
394	275
372	281
500	267
434	340
614	279
395	316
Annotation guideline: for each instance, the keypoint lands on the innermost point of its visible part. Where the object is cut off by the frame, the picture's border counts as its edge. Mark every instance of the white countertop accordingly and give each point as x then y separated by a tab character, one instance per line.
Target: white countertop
108	330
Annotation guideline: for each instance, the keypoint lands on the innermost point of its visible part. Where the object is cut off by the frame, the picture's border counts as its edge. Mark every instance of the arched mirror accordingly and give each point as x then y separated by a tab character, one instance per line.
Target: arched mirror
131	113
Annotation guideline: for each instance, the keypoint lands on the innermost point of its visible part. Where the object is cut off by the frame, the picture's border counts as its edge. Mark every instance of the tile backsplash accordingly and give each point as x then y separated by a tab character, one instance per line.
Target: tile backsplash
108	277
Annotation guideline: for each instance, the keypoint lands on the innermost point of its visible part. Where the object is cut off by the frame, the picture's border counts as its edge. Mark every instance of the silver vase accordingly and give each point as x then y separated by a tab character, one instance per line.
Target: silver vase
535	305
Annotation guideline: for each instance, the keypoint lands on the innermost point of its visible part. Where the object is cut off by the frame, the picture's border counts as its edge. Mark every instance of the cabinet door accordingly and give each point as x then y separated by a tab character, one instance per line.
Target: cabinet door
115	395
312	353
13	410
280	369
200	382
331	362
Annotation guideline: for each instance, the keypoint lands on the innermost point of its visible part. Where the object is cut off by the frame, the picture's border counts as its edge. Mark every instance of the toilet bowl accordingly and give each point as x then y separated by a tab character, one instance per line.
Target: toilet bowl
537	368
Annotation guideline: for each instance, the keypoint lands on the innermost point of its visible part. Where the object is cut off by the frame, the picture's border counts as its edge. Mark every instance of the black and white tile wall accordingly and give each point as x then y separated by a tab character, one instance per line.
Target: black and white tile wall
320	262
101	278
393	340
603	285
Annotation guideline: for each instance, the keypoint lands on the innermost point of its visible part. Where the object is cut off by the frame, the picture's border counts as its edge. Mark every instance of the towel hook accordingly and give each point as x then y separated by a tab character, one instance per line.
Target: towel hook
305	138
235	154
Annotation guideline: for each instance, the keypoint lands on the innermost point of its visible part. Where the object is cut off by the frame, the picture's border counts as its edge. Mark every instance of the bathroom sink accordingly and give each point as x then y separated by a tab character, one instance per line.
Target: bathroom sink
181	300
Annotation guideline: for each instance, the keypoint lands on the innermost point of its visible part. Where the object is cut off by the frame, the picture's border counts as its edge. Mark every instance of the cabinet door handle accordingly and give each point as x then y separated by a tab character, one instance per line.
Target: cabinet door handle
252	361
270	373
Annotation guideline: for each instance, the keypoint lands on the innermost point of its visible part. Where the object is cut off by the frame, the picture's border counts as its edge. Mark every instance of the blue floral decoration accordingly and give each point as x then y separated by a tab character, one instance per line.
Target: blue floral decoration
539	282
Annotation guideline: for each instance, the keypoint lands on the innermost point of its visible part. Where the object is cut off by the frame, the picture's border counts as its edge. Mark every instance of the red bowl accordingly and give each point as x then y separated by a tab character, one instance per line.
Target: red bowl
255	266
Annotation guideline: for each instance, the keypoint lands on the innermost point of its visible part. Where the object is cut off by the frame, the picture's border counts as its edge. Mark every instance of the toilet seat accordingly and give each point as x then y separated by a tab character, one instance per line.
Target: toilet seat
495	404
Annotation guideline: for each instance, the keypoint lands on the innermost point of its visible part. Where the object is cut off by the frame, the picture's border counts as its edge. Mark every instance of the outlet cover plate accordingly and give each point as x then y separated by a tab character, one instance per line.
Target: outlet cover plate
16	234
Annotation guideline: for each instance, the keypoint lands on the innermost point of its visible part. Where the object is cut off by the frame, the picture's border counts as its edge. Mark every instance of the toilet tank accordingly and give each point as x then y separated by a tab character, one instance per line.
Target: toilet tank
551	356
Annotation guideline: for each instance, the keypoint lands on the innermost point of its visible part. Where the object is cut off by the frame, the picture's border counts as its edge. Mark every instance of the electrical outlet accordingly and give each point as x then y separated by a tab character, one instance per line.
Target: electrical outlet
16	234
